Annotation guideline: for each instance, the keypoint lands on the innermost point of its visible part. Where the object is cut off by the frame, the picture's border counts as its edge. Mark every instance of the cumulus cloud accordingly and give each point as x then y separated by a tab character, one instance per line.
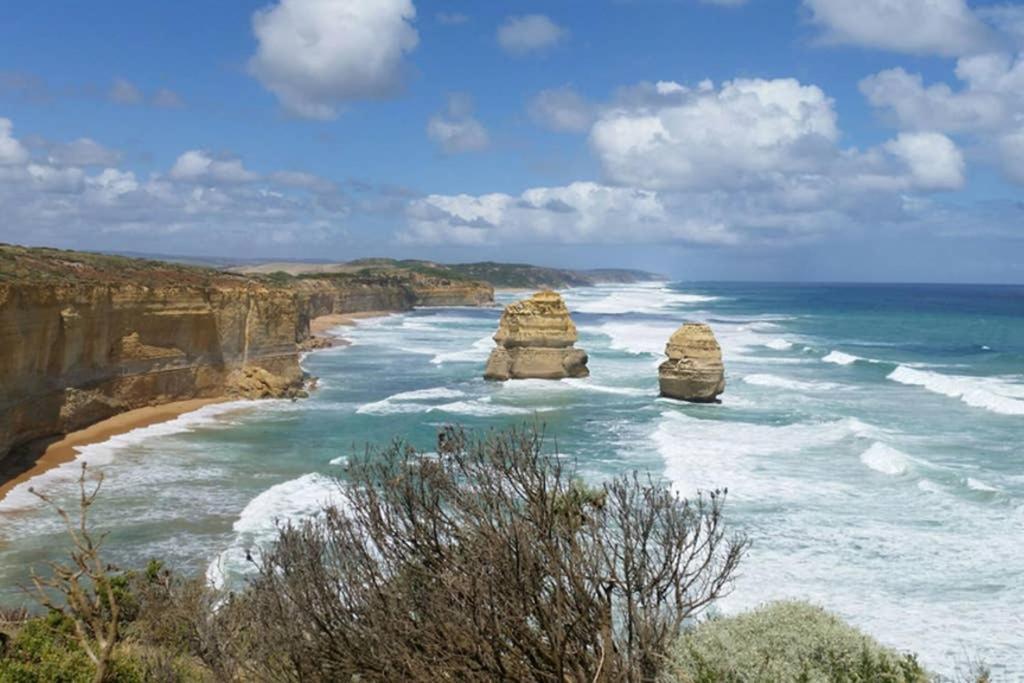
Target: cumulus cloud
582	212
529	33
455	130
925	27
11	150
934	161
199	166
562	109
670	136
751	161
201	200
988	108
317	55
124	92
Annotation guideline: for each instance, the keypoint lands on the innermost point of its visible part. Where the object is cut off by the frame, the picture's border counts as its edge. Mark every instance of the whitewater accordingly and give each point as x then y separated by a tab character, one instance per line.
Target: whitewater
870	438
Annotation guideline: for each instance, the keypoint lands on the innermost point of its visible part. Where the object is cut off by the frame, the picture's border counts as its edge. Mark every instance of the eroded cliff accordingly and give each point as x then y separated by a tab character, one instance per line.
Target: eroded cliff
84	337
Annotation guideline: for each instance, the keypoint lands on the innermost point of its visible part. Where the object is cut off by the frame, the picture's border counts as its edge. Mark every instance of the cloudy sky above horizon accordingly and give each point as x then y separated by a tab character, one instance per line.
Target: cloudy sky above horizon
708	139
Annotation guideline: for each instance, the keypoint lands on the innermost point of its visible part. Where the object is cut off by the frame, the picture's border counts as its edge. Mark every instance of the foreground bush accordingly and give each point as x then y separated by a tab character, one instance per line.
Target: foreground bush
489	562
787	641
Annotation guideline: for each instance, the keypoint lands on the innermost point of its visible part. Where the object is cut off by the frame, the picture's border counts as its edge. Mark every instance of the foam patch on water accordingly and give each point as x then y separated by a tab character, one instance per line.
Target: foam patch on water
779	344
427	394
645	298
257	524
709	453
993	394
886	459
774	381
978	485
482	407
477	353
840	358
636	338
104	452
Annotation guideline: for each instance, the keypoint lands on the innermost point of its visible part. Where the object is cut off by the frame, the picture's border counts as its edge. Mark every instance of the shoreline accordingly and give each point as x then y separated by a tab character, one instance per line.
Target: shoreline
39	457
320	327
42	457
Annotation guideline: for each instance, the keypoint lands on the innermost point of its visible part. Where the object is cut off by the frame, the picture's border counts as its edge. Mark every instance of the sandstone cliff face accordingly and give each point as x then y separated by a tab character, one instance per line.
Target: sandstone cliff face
694	370
79	343
535	340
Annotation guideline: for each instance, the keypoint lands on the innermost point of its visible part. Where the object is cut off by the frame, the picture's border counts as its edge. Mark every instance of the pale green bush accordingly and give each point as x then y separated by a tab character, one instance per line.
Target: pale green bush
783	642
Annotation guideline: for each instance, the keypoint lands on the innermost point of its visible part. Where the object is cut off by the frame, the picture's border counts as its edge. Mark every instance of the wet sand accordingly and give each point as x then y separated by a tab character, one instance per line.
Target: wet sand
34	459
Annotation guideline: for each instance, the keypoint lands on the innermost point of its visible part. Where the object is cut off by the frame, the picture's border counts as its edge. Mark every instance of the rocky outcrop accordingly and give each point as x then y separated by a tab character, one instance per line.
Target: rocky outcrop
694	370
535	340
84	337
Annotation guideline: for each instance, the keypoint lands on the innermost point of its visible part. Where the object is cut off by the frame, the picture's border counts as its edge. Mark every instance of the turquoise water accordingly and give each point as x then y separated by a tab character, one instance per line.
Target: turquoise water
870	437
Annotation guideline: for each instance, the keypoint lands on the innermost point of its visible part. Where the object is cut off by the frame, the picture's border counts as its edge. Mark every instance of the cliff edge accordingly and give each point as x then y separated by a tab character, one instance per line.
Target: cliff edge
86	336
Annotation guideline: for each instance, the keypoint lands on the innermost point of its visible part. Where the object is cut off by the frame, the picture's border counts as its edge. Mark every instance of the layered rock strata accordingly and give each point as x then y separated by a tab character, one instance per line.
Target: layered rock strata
84	337
694	370
535	340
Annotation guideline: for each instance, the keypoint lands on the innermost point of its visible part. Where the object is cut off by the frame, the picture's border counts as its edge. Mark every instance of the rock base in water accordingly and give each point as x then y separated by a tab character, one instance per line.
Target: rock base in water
535	341
694	371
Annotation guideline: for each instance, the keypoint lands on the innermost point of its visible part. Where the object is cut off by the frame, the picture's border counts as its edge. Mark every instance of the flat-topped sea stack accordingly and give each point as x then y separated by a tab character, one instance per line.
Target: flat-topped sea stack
694	370
535	340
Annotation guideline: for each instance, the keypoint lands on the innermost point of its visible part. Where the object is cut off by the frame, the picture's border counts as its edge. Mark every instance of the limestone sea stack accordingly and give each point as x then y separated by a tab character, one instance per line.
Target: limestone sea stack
535	340
694	370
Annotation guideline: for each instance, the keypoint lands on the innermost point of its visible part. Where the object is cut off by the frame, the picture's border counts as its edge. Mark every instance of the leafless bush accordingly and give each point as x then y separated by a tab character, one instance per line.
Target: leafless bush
86	586
489	562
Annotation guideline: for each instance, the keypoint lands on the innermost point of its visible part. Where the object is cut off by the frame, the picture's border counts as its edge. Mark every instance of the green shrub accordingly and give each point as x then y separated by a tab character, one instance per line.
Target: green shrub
44	650
787	641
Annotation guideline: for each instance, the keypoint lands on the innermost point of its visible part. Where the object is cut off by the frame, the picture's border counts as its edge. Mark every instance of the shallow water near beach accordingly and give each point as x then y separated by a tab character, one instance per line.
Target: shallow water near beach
870	437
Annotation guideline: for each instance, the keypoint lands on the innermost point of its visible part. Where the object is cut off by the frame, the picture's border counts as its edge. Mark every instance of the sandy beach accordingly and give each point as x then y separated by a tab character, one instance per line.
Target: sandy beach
319	327
33	462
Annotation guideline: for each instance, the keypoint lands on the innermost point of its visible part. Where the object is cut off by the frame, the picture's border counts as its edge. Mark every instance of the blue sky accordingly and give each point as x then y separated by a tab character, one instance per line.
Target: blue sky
807	140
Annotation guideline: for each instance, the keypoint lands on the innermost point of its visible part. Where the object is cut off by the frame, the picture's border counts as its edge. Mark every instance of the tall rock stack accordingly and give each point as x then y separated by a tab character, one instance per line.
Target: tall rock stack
694	370
535	340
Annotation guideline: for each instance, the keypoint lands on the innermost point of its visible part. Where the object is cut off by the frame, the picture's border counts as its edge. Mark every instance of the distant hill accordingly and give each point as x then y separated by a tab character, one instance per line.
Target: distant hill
503	275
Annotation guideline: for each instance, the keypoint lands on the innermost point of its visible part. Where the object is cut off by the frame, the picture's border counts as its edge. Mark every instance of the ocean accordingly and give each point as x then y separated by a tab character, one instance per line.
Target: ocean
871	438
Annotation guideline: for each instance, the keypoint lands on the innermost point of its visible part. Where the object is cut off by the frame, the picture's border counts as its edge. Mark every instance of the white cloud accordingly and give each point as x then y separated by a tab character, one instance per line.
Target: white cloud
939	27
1011	155
82	152
562	109
124	92
317	55
579	213
935	107
530	33
988	109
11	151
934	161
167	99
213	203
669	136
750	162
456	130
199	167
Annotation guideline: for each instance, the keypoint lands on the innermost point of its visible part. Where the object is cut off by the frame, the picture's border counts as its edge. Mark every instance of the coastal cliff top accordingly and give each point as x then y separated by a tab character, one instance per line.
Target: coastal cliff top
507	275
43	265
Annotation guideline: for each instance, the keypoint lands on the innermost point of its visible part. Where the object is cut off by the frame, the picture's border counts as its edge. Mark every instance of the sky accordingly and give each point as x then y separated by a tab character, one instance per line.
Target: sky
813	140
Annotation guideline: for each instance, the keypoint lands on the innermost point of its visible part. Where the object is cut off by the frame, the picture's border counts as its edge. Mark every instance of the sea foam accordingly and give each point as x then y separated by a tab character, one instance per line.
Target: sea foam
774	381
886	459
994	394
257	524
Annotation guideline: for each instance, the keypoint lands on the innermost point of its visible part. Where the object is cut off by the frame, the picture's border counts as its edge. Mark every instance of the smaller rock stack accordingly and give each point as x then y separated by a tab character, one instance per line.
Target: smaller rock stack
535	340
694	370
